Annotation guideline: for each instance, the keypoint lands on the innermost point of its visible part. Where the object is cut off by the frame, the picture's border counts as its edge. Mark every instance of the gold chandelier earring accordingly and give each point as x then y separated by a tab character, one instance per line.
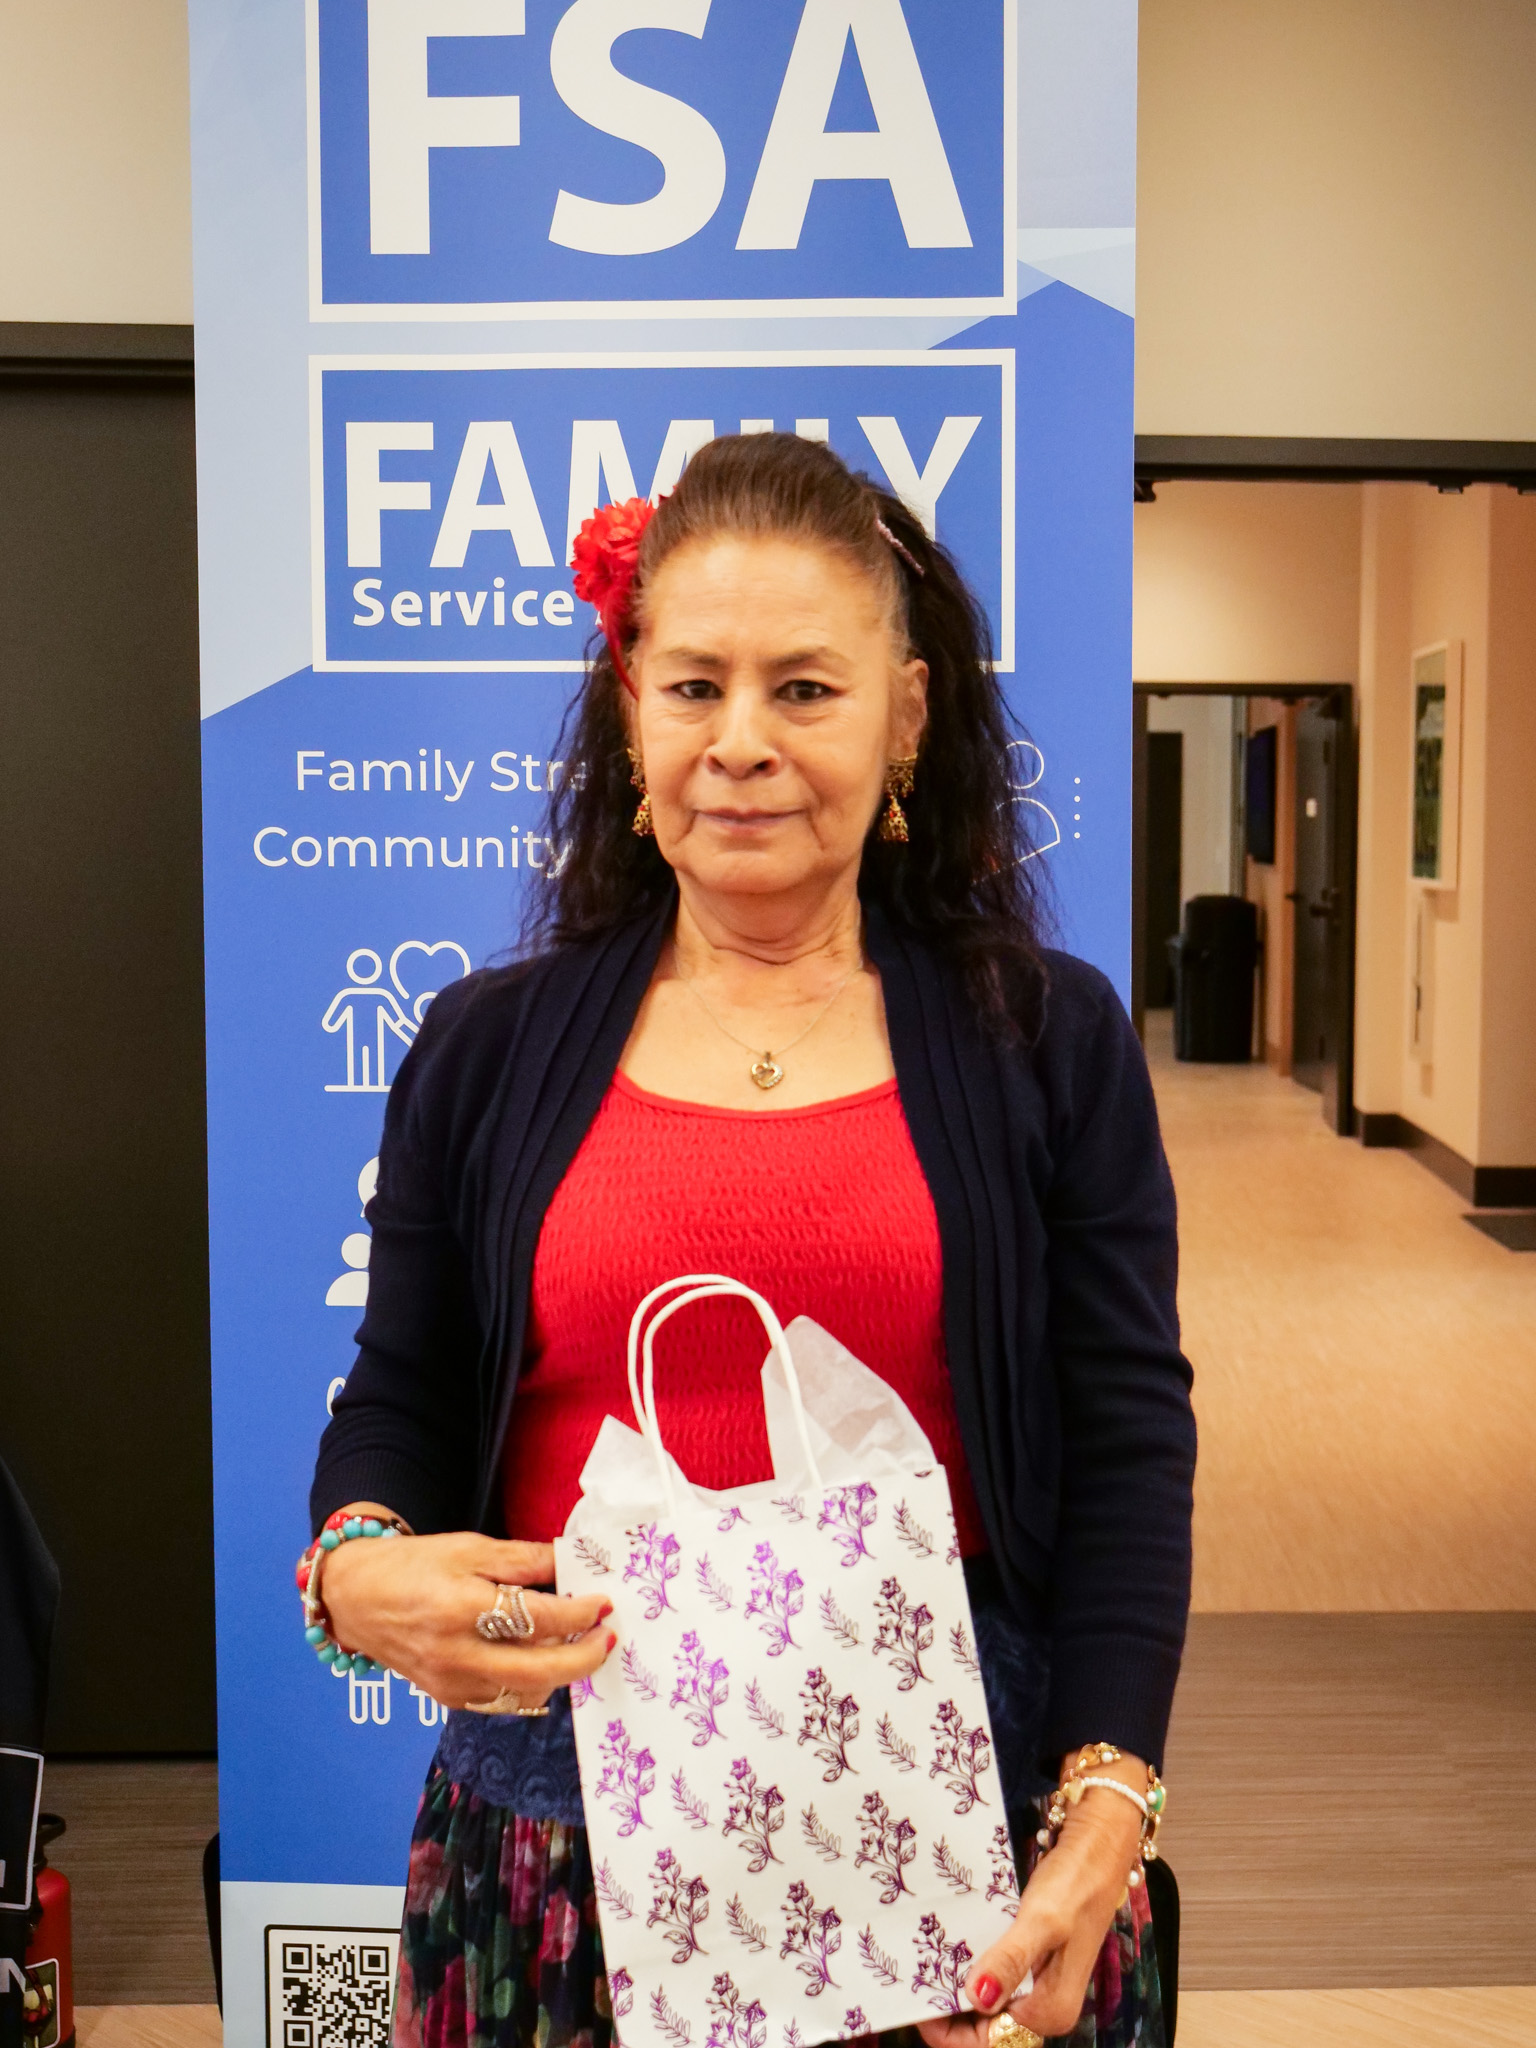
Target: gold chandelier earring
643	825
899	778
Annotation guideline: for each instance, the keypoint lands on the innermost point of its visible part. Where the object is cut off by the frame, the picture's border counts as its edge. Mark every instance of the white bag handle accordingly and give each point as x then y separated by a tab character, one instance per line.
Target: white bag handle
642	1393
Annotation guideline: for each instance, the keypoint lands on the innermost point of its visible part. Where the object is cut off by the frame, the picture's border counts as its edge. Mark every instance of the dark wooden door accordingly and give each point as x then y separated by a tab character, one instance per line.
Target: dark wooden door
104	1415
1165	824
1322	992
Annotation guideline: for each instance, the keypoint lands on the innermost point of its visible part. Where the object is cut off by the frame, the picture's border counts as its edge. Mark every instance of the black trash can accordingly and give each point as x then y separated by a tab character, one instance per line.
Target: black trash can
1213	961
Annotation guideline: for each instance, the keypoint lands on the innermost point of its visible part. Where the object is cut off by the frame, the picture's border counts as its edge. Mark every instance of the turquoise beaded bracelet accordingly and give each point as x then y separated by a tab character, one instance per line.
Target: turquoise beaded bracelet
339	1528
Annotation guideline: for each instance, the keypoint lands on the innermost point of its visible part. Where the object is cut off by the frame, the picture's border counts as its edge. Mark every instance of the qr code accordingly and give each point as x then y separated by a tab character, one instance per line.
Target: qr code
330	1987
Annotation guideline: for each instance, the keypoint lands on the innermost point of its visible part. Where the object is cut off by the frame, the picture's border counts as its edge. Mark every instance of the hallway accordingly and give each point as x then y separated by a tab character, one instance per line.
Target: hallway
1364	1363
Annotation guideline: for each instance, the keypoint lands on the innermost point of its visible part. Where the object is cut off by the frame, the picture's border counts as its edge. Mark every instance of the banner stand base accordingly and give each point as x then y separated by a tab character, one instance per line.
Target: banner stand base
309	1963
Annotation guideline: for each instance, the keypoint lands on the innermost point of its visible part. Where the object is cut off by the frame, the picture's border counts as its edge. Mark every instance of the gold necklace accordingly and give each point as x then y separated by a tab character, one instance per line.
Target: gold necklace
765	1070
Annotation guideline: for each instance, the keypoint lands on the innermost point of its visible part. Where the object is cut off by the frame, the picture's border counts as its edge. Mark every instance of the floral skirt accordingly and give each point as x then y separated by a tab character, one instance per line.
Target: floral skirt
500	1945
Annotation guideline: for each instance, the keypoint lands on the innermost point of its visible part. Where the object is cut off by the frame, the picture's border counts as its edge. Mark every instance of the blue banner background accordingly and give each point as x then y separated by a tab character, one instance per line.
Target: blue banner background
309	1795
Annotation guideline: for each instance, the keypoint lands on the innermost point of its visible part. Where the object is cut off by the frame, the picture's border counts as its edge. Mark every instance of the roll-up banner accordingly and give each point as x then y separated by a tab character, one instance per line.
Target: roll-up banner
465	269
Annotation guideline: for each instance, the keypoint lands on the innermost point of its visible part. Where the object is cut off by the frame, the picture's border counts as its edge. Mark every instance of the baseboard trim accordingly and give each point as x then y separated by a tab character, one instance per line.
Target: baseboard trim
1485	1187
1377	1127
1444	1163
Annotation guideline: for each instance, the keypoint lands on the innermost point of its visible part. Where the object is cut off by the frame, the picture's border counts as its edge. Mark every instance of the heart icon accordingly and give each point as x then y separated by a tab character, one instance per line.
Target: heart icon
431	979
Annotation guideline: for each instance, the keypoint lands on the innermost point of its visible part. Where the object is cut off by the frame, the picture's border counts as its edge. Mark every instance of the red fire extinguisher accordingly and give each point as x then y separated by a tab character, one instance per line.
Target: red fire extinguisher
48	2003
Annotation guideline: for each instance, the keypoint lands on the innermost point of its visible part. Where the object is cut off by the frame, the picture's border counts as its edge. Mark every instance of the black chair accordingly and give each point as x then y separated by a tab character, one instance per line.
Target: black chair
1163	1898
213	1907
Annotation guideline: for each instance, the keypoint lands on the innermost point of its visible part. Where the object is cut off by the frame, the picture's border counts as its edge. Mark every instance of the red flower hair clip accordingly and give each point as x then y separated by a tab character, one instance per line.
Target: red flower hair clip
605	556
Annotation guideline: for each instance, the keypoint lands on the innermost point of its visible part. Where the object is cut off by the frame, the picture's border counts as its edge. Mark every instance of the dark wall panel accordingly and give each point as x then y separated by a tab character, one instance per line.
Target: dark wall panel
103	1234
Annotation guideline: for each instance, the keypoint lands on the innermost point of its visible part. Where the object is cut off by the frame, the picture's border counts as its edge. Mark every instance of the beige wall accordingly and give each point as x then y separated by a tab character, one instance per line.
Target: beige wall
1247	583
1507	1112
1451	568
1427	556
1448	599
1337	210
96	222
1386	770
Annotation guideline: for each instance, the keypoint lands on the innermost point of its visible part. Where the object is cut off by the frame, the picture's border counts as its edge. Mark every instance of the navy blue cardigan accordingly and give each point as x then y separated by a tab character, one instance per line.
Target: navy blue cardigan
1056	1221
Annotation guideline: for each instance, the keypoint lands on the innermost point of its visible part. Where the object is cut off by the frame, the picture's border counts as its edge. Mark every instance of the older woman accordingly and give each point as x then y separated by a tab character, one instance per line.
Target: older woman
788	1018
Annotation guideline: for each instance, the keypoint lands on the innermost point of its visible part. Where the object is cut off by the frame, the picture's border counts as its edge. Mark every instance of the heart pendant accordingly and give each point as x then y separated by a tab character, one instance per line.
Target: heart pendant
767	1072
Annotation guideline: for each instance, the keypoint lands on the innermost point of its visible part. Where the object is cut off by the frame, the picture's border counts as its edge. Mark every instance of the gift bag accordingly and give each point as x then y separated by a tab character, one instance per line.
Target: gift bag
796	1823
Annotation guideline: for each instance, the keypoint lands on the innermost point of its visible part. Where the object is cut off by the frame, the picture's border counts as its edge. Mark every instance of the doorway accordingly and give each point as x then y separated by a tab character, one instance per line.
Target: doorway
1266	808
103	1157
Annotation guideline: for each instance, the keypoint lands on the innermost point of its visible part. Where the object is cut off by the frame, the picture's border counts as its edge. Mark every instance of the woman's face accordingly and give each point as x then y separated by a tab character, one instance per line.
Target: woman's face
770	696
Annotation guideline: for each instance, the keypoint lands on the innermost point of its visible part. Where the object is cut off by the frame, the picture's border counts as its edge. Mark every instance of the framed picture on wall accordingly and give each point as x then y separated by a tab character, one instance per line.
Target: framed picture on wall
1436	764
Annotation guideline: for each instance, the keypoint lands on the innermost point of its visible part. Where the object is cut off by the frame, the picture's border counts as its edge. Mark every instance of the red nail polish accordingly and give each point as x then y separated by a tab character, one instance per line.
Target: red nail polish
613	1642
986	1991
605	1610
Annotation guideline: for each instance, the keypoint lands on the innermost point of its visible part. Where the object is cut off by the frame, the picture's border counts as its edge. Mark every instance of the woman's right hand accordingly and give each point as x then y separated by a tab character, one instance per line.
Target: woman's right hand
410	1603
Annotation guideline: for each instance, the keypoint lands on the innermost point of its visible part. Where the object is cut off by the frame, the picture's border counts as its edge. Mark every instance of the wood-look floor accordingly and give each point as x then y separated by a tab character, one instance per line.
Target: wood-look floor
1503	2018
148	2026
1365	1363
133	1853
1356	2019
1352	1800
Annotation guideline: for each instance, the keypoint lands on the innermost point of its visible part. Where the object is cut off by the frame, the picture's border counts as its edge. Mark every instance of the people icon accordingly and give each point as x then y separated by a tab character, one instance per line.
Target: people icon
349	1012
367	1698
369	1011
1026	760
428	1710
454	967
350	1289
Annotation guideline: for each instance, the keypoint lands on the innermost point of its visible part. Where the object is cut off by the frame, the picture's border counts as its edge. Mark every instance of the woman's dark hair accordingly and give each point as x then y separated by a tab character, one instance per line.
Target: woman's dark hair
964	881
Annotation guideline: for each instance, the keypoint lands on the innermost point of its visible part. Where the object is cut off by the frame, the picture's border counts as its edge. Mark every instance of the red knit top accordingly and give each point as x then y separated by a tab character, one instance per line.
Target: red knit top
825	1211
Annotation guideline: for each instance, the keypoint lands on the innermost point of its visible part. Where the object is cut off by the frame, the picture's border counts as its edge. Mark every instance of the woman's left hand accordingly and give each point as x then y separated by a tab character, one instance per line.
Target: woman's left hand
1063	1917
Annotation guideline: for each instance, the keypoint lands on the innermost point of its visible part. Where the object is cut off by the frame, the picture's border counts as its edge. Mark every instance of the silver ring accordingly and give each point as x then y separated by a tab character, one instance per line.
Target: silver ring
509	1623
506	1702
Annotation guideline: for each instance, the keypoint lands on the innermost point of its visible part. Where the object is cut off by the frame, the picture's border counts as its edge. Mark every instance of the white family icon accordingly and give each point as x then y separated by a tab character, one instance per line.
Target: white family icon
1028	766
378	1019
368	1699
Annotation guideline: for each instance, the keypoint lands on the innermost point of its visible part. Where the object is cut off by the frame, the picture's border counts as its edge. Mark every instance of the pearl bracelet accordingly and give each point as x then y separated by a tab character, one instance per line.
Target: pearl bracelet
1082	1778
339	1528
1078	1786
